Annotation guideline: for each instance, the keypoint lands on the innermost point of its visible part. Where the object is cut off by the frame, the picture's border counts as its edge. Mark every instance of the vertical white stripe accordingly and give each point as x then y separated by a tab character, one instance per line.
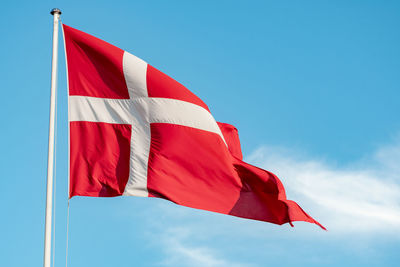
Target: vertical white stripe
135	71
135	75
139	157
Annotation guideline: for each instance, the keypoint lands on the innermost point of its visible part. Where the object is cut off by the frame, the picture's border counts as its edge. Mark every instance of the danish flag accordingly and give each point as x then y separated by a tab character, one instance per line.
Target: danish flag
134	131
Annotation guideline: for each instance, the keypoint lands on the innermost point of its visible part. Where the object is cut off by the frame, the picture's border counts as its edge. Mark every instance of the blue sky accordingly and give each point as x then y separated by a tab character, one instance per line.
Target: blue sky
312	86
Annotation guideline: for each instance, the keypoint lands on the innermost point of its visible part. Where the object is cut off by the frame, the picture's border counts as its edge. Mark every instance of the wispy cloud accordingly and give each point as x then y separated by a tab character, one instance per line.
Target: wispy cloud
359	197
360	200
181	250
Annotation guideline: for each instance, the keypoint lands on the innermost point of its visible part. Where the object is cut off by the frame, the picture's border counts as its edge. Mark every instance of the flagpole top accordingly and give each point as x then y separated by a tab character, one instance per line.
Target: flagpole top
55	11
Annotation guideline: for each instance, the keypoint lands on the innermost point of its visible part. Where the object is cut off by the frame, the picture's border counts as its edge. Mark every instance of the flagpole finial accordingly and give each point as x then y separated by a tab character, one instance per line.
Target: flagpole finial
55	11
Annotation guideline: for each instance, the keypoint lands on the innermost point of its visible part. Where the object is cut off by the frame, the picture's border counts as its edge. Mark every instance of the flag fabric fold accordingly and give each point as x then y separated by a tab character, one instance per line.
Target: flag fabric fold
135	131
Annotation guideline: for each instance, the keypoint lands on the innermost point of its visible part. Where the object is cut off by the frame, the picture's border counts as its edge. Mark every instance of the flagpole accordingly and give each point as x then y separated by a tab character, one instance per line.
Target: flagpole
50	160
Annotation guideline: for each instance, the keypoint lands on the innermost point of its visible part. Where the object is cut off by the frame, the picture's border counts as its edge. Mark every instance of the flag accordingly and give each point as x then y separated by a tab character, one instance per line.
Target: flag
134	131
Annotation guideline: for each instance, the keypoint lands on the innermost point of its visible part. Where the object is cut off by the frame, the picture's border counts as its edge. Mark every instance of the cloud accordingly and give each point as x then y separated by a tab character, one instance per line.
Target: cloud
363	196
181	250
359	203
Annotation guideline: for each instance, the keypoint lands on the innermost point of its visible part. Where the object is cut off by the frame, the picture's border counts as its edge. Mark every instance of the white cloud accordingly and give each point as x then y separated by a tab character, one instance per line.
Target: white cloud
357	202
360	197
180	250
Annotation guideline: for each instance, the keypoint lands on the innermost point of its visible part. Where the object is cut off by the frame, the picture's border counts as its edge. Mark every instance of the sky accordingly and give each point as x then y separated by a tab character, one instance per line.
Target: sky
312	86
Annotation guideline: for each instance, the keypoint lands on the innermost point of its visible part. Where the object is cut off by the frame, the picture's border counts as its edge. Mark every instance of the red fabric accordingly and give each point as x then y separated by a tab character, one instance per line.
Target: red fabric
188	166
191	167
263	197
161	85
231	136
94	66
99	158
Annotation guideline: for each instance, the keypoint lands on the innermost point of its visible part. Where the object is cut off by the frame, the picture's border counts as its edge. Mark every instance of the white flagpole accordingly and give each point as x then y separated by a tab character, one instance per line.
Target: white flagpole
50	160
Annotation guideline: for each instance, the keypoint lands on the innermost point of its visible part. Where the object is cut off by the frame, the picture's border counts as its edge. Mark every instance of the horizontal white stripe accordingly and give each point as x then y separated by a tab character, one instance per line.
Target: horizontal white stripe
142	110
95	109
172	111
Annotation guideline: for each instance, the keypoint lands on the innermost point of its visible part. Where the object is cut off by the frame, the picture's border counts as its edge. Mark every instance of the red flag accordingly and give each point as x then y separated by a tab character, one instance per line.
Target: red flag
135	131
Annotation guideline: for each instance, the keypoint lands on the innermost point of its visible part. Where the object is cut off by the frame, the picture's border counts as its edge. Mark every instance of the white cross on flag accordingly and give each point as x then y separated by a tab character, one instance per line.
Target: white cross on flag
135	131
